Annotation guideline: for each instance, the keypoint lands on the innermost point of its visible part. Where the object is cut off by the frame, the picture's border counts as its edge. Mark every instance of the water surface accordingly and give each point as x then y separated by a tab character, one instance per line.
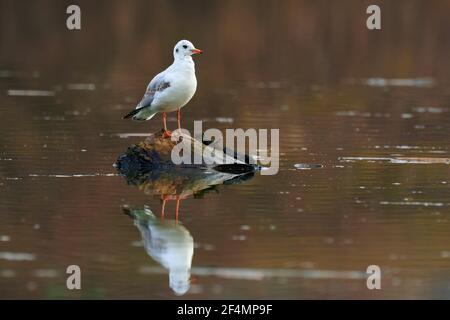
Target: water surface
364	141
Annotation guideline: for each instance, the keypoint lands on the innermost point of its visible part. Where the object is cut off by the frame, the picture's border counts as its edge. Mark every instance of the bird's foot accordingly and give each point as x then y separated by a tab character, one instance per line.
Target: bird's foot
167	134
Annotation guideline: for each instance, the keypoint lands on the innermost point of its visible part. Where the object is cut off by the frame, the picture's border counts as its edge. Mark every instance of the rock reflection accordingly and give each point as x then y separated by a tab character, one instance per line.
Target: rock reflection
167	241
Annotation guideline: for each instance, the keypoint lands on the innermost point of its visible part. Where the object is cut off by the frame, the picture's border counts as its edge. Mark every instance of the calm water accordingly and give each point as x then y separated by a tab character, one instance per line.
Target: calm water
373	109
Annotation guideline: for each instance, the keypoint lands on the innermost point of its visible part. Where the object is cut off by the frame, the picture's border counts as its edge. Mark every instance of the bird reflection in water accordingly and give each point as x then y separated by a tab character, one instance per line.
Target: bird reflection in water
167	242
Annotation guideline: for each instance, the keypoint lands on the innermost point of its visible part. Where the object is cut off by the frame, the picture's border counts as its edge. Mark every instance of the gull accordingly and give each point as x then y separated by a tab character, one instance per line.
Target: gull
171	89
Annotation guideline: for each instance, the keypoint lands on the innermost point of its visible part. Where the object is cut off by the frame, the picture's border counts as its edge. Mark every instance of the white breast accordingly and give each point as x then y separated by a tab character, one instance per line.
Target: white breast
183	85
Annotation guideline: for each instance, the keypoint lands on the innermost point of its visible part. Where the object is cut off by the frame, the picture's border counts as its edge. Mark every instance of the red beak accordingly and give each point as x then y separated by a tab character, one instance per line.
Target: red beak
196	51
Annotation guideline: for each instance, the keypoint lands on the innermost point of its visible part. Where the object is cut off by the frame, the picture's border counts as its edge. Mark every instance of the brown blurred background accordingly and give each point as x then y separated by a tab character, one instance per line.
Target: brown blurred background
300	66
318	41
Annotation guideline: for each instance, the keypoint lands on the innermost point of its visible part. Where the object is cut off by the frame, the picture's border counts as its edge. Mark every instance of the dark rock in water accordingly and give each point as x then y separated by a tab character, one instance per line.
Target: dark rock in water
154	153
149	166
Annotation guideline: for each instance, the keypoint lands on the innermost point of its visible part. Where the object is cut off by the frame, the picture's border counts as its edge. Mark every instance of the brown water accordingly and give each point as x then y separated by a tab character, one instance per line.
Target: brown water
310	69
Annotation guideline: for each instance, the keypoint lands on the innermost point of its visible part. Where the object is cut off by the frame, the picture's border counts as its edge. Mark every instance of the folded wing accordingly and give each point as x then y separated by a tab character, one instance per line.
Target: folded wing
156	86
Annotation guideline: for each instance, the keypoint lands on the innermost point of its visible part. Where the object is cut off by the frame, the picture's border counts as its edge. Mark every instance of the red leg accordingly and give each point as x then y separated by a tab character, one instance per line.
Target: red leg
164	121
166	133
179	118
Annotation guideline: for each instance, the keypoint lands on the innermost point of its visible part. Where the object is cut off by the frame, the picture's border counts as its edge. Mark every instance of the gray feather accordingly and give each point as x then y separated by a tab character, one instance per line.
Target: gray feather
155	86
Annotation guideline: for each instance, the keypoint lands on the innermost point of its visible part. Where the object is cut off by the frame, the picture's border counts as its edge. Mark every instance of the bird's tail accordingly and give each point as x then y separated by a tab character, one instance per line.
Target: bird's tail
132	113
140	114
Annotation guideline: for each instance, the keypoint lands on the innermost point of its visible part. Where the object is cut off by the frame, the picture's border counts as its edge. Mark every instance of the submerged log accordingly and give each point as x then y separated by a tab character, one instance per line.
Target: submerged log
155	153
148	165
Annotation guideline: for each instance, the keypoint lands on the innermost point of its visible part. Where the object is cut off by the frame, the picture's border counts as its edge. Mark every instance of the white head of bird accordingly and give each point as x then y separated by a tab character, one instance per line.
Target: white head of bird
184	49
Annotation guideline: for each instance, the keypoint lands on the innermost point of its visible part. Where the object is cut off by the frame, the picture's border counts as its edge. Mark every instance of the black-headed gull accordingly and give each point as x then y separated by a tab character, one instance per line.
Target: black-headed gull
171	89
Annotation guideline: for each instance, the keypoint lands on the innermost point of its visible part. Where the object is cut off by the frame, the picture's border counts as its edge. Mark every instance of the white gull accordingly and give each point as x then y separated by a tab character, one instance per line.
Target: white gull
171	89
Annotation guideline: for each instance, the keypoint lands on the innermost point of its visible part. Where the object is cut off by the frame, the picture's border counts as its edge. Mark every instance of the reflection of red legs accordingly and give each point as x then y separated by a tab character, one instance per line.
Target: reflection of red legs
164	199
177	198
179	118
166	133
177	208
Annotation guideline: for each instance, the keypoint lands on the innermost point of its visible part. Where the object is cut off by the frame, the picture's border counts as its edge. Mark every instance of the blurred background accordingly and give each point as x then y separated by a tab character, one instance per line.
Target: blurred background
351	99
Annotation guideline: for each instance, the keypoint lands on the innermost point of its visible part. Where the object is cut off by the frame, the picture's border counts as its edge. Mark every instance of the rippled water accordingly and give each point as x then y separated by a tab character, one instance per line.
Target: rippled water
363	180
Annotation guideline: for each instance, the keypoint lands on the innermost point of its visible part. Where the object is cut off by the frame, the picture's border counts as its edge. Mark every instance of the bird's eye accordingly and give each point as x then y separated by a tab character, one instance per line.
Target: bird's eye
185	46
176	50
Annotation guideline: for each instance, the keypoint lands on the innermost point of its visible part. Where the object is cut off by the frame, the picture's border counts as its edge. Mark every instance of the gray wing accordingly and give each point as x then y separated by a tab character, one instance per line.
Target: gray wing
158	84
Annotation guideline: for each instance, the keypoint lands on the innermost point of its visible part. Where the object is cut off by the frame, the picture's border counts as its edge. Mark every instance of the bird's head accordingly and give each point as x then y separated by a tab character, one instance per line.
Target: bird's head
183	49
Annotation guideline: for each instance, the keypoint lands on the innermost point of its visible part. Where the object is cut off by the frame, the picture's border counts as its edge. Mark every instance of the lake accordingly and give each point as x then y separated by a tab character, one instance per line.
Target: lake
364	178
